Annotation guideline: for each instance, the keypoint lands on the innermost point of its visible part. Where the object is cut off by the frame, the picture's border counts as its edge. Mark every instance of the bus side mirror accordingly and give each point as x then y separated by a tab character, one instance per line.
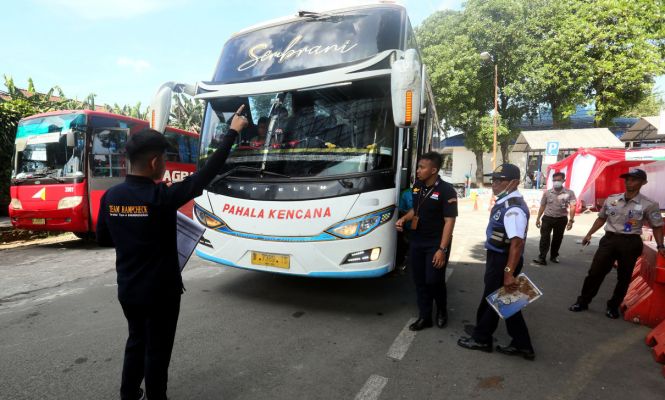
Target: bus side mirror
160	108
405	86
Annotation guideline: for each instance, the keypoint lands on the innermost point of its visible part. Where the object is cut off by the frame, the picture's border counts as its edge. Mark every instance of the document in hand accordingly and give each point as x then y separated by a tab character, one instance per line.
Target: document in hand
506	304
189	234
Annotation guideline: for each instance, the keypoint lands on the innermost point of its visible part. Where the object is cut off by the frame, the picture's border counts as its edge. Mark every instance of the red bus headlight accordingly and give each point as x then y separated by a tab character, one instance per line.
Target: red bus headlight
69	202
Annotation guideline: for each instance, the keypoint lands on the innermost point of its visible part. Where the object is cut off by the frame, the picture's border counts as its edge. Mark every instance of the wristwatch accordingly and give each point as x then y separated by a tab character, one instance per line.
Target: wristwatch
507	269
444	250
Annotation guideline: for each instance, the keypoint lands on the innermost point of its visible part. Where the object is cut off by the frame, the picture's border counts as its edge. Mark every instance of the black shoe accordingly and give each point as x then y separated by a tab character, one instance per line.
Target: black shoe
471	344
577	307
441	319
540	261
555	260
612	312
420	324
514	351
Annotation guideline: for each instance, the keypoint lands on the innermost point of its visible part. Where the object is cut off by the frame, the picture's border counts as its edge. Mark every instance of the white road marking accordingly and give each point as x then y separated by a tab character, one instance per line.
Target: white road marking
371	390
403	341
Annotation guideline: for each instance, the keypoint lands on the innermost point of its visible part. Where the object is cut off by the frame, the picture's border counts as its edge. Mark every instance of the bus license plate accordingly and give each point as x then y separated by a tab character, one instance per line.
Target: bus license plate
271	260
39	221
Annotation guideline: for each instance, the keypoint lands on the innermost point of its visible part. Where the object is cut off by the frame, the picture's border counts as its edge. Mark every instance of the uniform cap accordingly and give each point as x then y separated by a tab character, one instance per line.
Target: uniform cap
506	171
635	173
145	140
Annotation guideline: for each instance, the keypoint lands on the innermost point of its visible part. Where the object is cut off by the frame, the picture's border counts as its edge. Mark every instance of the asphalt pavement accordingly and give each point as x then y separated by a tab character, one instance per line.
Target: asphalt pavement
250	335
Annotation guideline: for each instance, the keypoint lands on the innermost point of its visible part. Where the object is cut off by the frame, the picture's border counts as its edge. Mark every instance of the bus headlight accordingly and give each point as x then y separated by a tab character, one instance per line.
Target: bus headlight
16	204
206	218
361	225
69	202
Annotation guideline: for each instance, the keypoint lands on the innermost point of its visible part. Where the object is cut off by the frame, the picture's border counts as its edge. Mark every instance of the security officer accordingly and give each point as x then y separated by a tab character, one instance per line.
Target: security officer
506	235
555	204
623	215
138	218
432	220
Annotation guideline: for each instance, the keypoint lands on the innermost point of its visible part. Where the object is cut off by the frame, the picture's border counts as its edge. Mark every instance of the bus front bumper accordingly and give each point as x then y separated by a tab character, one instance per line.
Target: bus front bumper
65	220
323	259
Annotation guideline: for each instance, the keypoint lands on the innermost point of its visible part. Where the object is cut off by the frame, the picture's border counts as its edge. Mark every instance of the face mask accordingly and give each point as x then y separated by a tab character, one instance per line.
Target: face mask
504	192
557	184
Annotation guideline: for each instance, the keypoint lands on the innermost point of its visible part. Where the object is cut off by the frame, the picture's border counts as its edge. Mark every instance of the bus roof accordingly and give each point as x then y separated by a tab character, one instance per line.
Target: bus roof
107	115
323	9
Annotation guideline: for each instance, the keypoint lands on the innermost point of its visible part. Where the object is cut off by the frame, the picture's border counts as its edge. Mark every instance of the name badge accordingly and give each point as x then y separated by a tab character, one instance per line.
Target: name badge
628	227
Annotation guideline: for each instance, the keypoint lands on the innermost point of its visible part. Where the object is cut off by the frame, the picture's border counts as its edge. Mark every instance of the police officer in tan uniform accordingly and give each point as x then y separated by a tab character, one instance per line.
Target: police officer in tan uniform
623	215
556	204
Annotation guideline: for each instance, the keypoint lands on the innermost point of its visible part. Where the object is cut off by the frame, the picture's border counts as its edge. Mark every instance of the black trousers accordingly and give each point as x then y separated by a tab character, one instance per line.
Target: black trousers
487	320
549	224
625	250
148	350
430	282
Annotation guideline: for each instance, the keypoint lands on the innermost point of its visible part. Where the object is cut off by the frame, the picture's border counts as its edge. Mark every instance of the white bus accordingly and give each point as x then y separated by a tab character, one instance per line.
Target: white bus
347	110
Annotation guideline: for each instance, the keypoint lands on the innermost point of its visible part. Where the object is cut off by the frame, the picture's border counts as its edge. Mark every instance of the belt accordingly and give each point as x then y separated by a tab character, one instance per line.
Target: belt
625	235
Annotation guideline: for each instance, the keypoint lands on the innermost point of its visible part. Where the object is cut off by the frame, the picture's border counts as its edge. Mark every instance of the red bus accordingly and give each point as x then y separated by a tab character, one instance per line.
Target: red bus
64	161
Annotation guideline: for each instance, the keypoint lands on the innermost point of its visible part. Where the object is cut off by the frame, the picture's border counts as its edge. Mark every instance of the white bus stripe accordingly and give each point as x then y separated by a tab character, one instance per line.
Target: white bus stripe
371	390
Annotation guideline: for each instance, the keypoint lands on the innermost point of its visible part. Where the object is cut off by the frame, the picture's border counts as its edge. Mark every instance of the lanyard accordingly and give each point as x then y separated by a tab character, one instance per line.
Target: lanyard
421	198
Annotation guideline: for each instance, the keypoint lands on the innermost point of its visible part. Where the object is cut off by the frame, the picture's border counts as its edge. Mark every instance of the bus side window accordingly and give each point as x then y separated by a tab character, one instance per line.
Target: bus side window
107	157
172	152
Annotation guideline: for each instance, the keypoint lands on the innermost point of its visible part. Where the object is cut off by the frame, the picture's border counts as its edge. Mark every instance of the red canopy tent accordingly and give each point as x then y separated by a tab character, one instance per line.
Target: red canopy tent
593	173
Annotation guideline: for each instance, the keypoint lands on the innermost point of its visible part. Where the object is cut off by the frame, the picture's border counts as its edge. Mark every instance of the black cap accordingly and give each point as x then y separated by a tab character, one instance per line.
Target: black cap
506	171
635	173
145	140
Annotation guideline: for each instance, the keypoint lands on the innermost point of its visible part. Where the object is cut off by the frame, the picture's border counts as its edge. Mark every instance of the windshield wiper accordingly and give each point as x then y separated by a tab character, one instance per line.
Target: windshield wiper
49	173
259	171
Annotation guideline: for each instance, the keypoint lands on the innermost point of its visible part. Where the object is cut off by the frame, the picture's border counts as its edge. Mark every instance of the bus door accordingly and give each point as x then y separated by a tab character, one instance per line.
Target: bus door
107	164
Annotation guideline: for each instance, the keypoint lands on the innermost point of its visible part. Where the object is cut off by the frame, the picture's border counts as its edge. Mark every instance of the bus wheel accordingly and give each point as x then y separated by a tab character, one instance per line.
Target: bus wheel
85	236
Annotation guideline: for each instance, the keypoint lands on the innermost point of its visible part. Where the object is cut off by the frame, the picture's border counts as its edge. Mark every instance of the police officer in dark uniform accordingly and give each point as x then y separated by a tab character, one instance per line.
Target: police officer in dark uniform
623	215
138	218
506	235
432	220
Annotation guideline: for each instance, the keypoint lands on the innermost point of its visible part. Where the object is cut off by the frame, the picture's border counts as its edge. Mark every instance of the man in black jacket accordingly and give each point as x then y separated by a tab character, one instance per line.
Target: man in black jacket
138	218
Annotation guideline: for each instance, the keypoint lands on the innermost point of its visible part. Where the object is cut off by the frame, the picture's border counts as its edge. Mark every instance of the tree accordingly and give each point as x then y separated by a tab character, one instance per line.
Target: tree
455	72
651	105
625	49
186	113
130	111
556	68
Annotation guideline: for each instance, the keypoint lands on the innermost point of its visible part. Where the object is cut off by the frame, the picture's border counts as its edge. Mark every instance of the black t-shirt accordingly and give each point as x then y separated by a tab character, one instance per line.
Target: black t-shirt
432	205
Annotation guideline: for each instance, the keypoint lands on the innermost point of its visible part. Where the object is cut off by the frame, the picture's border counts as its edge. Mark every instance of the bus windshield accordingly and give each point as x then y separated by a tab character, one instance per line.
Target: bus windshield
346	129
50	146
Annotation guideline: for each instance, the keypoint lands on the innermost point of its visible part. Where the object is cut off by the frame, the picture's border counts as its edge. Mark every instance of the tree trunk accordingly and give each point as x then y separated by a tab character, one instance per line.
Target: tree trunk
479	168
504	151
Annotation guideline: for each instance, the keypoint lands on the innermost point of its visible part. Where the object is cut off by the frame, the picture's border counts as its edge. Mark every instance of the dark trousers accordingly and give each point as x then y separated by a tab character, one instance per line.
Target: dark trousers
625	250
148	350
430	282
487	320
549	224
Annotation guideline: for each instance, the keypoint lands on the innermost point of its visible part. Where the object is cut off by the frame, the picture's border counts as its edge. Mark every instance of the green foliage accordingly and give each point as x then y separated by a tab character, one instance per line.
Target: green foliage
129	111
186	113
550	54
624	46
651	105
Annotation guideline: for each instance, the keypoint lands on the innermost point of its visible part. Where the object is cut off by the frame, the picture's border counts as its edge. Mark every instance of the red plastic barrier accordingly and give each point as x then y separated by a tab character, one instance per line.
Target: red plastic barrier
656	340
645	301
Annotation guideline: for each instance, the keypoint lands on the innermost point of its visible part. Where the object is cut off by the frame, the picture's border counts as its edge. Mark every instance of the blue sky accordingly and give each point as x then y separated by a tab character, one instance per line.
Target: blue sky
122	50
